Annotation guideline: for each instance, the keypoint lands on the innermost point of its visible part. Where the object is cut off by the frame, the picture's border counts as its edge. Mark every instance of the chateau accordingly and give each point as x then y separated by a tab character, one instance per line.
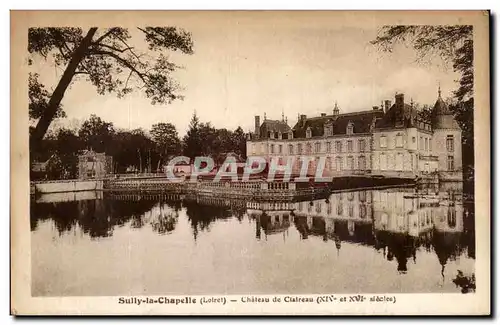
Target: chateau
392	140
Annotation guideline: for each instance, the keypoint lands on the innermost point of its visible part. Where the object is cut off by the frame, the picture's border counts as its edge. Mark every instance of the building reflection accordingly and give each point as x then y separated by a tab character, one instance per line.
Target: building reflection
270	217
396	222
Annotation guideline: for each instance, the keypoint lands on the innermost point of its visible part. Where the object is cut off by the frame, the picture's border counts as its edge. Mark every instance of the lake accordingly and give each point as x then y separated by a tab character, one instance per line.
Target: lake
397	240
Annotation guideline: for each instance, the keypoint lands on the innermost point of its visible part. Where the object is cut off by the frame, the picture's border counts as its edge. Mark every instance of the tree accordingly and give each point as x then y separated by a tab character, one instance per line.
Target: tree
166	140
192	140
97	134
38	99
106	59
454	44
239	142
67	145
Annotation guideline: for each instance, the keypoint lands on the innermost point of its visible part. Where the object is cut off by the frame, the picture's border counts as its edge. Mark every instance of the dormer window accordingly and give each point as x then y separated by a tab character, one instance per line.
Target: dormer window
308	133
290	135
271	135
280	136
350	128
328	130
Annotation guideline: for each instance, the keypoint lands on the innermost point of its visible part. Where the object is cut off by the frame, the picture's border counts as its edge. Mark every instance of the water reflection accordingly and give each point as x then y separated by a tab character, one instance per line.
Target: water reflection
400	225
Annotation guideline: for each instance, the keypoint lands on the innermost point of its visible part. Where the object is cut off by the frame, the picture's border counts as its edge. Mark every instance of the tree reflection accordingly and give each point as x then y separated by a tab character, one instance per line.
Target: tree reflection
164	217
97	218
397	222
201	214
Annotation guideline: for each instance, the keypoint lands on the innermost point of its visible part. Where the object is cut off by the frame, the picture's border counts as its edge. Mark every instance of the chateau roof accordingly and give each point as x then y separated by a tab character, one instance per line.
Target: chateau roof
274	126
389	119
440	107
442	117
361	121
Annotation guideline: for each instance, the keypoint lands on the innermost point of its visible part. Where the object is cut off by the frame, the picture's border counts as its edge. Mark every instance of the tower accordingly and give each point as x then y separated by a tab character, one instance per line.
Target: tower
446	140
336	109
257	126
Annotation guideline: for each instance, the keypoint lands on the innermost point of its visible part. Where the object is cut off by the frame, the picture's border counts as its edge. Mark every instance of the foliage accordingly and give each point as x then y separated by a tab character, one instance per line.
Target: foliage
139	150
39	98
465	282
105	58
97	134
453	44
166	139
202	139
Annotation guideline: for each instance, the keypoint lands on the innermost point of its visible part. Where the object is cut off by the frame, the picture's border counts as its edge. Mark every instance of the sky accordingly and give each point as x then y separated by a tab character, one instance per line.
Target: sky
242	68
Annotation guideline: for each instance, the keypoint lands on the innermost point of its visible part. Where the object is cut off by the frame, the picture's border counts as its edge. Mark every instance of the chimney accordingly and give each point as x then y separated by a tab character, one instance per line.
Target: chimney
375	108
257	126
400	100
303	119
400	108
387	105
323	114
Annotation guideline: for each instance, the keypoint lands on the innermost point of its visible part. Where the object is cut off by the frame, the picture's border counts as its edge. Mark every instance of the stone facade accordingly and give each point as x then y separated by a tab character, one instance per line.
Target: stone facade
390	140
94	165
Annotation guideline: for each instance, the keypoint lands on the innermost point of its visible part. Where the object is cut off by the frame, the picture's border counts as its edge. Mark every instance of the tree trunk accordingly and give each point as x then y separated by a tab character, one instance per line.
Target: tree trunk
58	94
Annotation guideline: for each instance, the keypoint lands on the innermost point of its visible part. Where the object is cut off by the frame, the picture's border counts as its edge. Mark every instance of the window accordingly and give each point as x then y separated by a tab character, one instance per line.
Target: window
426	141
399	141
383	162
350	128
451	163
413	139
362	196
430	144
328	147
272	148
328	130
328	165
290	149
361	163
317	147
383	141
399	161
308	148
318	206
361	145
449	143
349	146
280	149
350	163
339	163
271	135
421	143
362	211
340	209
280	136
338	146
351	210
299	148
308	133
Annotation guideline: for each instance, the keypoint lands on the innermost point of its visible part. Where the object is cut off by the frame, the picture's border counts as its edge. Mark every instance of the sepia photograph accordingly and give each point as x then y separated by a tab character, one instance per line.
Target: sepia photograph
259	162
